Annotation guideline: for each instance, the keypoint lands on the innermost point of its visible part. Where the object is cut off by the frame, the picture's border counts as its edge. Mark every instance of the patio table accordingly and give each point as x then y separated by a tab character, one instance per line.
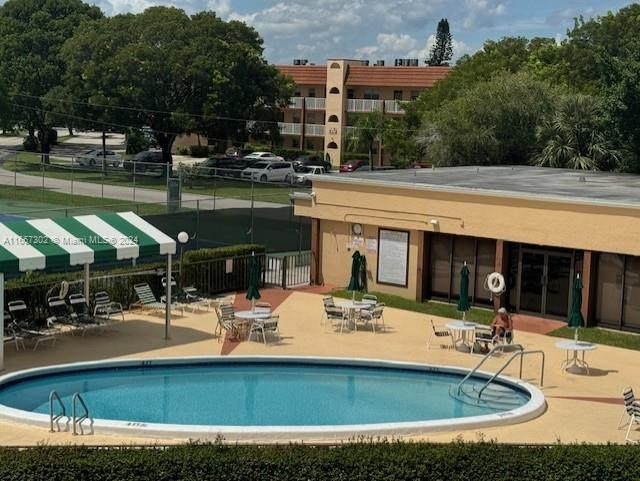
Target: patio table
353	306
574	364
244	319
462	334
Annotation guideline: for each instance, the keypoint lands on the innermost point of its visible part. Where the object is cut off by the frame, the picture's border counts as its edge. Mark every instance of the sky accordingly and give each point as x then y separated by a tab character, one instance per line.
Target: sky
383	29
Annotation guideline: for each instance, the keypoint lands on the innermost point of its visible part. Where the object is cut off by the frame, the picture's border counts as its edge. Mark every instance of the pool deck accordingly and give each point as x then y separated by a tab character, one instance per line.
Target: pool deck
581	408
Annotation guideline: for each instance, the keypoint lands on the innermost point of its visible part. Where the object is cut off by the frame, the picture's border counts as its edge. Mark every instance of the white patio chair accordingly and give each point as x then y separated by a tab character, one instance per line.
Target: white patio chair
439	332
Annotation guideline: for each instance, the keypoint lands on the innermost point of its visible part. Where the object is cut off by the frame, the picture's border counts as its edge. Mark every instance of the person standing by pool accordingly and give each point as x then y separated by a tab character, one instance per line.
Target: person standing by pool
502	325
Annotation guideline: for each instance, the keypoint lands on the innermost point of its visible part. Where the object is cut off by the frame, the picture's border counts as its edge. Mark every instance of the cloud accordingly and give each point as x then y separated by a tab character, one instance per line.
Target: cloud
113	7
402	45
482	13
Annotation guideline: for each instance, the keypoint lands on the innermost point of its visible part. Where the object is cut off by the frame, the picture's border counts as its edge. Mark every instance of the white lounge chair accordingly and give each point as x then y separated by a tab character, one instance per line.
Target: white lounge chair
631	412
105	307
147	299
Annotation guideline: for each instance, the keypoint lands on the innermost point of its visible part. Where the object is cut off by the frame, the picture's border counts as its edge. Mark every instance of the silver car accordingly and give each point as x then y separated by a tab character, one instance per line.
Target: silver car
94	157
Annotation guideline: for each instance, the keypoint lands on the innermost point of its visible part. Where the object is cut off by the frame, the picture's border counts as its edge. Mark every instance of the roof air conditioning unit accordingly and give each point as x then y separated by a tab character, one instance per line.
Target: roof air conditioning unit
365	63
296	61
379	63
398	62
414	62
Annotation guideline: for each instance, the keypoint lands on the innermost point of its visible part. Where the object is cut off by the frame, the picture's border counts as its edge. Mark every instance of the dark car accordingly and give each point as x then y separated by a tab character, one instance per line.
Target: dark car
353	165
237	152
310	161
147	161
222	167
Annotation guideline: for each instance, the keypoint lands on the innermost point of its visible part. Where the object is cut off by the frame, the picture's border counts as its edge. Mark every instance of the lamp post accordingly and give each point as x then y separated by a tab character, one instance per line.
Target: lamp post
183	238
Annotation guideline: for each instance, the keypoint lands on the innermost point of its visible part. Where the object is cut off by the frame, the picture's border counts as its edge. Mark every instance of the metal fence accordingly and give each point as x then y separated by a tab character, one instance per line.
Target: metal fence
217	207
288	270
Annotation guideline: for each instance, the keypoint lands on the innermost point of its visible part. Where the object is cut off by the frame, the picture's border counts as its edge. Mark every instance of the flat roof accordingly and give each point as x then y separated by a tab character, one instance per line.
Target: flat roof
573	186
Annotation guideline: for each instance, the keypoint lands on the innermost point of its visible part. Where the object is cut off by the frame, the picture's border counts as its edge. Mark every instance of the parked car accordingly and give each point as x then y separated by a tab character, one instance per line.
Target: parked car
269	172
310	160
353	165
419	165
303	175
147	161
237	152
257	156
94	157
221	166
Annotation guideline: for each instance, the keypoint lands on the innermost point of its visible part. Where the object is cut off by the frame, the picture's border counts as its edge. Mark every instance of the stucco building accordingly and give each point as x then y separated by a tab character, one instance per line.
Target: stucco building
539	227
327	97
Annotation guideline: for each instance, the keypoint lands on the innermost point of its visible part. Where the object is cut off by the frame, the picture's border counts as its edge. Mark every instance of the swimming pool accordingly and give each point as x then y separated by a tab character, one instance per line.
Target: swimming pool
263	397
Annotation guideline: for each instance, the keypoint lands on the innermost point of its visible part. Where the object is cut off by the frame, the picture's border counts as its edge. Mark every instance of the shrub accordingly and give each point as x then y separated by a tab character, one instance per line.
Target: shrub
198	150
136	141
31	144
201	255
182	150
396	461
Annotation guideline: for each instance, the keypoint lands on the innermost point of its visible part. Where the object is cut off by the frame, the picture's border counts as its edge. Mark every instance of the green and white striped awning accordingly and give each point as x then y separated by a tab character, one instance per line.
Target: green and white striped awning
35	244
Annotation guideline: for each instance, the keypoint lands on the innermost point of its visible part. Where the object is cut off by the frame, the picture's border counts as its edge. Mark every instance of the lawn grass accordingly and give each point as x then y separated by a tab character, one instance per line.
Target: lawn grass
601	336
434	308
28	163
36	202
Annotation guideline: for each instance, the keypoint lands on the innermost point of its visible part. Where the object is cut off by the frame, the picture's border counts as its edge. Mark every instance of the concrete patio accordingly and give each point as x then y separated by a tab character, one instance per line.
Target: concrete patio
581	408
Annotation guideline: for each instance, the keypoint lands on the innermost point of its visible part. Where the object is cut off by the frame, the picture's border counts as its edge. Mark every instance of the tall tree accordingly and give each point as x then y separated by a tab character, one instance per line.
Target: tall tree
173	73
4	107
32	33
492	123
369	131
574	137
442	51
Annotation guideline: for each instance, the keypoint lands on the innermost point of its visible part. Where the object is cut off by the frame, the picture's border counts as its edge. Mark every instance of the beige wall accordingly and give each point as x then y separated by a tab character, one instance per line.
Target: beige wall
334	105
336	258
532	221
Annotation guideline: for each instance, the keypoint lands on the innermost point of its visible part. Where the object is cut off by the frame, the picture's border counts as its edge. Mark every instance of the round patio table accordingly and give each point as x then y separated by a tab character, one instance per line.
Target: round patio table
462	333
353	306
247	318
575	364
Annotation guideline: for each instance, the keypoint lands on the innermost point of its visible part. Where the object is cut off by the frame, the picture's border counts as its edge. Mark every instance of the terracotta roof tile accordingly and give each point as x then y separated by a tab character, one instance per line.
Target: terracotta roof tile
395	76
305	74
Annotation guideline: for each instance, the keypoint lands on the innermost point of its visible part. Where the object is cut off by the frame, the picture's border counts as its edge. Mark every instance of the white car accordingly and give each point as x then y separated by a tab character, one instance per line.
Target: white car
270	172
254	156
302	177
94	157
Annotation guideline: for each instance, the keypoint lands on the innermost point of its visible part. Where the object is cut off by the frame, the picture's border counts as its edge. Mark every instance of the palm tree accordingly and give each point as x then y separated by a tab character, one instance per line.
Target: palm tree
368	130
573	137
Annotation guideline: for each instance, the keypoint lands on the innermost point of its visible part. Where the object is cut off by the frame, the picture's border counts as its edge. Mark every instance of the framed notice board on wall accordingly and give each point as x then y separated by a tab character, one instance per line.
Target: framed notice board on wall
393	257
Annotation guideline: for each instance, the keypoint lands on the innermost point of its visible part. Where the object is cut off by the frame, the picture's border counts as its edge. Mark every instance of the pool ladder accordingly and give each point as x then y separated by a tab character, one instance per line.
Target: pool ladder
77	417
518	353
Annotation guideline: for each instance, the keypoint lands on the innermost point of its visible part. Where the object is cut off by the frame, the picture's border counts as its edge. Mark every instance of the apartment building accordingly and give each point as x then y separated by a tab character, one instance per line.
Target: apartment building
328	98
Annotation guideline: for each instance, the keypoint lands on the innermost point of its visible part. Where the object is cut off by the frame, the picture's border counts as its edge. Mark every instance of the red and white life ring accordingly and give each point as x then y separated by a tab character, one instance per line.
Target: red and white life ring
495	283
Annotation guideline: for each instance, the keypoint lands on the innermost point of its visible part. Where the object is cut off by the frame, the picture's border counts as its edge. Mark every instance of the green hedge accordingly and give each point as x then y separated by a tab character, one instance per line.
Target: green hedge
362	461
200	255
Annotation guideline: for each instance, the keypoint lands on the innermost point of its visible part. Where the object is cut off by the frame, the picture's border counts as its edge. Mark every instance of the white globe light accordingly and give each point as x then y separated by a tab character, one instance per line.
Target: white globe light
183	237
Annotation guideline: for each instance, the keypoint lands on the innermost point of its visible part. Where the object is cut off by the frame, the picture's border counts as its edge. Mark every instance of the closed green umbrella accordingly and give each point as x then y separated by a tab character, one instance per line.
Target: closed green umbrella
254	276
575	316
354	281
463	302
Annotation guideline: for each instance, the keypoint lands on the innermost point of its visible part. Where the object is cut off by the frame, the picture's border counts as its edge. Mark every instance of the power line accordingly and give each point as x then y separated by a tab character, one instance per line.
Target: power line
184	114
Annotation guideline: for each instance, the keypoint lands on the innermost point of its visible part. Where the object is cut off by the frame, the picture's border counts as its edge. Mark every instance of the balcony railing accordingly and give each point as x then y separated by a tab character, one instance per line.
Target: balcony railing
314	130
394	106
364	105
310	103
314	103
287	128
348	131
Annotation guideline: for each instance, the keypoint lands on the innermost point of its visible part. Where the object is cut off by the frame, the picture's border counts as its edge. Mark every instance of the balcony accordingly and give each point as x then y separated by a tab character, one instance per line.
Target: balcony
364	105
393	107
310	103
314	130
314	103
287	128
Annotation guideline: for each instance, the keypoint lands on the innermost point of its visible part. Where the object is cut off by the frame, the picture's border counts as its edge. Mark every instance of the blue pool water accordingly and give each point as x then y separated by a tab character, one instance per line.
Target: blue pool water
251	394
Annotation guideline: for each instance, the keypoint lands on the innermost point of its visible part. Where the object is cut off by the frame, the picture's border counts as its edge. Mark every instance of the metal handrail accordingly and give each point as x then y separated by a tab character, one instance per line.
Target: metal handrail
499	347
77	420
55	418
520	354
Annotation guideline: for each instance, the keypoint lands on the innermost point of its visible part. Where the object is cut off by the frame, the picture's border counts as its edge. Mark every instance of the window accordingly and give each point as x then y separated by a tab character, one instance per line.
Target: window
335	65
334	90
310	145
415	94
397	95
311	118
631	303
609	288
332	145
333	118
294	143
297	92
312	92
351	93
297	116
447	257
371	95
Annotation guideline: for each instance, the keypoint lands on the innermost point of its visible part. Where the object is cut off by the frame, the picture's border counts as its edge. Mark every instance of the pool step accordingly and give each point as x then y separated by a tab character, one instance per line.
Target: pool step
494	396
